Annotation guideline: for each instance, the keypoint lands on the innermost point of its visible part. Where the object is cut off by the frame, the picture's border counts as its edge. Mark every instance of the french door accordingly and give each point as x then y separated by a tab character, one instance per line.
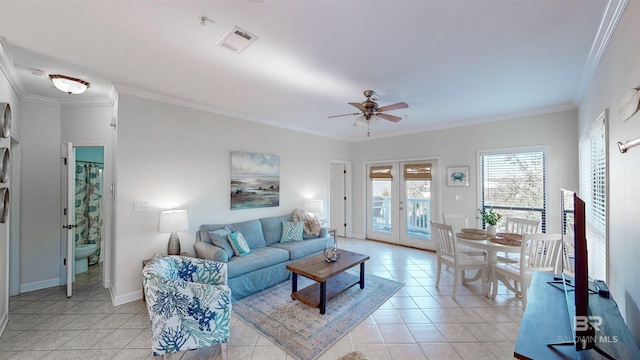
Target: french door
401	202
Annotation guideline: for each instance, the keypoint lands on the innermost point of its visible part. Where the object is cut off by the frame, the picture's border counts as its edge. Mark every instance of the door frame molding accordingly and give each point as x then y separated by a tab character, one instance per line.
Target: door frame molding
348	193
435	171
107	202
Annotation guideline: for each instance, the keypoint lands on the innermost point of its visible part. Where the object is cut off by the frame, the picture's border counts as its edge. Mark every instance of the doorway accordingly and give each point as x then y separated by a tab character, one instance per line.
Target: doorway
401	202
84	211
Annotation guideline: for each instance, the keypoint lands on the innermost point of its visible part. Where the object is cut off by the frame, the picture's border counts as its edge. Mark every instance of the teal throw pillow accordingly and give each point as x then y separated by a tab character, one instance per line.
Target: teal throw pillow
292	231
239	244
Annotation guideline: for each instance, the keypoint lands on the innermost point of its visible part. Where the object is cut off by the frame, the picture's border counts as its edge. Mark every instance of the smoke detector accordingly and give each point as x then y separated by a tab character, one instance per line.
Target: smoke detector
237	40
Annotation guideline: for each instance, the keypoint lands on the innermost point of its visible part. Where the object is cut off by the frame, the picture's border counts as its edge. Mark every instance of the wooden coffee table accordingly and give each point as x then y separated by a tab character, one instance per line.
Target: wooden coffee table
331	278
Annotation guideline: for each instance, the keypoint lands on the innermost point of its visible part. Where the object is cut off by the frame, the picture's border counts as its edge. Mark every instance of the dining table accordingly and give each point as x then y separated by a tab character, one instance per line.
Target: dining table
501	242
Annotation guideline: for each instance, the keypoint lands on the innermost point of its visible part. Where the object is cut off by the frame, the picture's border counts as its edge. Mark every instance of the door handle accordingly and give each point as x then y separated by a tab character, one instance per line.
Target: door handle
69	226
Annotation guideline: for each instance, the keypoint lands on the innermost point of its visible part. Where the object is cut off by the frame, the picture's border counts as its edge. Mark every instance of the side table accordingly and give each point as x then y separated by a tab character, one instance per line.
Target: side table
332	232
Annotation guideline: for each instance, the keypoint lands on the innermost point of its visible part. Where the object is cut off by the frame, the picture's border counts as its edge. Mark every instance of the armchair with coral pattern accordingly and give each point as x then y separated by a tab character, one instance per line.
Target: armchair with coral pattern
189	304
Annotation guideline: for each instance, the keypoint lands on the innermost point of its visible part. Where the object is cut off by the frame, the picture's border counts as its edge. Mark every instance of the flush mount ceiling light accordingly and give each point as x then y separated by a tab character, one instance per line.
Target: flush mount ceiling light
68	84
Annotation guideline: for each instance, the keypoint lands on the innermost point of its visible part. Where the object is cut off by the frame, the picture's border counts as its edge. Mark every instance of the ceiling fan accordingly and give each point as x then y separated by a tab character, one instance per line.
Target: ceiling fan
371	112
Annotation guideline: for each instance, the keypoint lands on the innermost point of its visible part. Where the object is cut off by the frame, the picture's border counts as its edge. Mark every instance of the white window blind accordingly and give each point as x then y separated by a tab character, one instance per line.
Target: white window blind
593	190
513	184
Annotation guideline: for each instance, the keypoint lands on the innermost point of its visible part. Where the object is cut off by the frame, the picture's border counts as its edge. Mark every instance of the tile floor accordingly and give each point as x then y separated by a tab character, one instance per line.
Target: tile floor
419	322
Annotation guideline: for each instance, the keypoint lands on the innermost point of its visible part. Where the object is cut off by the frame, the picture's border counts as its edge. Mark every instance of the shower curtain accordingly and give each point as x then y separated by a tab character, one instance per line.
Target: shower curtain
89	207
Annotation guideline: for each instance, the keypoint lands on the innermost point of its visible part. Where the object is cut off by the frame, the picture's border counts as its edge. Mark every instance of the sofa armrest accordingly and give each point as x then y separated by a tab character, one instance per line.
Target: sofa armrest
324	232
210	252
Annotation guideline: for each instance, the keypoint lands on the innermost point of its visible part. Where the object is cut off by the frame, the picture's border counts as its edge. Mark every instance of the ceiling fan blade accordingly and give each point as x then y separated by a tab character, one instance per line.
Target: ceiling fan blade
400	105
389	117
343	115
361	120
358	105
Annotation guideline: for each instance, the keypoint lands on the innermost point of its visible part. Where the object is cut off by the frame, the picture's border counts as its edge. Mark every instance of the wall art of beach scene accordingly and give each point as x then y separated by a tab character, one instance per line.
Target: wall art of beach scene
255	180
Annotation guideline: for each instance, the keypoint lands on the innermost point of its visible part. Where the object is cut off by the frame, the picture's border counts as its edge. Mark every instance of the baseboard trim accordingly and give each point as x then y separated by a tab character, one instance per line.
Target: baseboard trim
40	285
126	298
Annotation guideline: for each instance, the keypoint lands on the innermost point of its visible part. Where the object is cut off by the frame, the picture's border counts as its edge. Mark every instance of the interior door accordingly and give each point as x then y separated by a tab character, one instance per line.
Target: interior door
69	224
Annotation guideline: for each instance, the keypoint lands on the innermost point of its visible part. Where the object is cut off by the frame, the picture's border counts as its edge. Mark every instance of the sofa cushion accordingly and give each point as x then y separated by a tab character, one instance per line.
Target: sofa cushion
207	251
257	259
300	249
239	244
291	231
252	232
272	228
220	238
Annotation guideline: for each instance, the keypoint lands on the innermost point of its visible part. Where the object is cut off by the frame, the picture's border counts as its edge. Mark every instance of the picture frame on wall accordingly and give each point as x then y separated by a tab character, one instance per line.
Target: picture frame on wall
458	176
255	180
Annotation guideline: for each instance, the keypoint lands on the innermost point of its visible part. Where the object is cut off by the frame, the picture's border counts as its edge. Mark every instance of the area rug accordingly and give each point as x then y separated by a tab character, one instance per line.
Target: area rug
301	330
356	355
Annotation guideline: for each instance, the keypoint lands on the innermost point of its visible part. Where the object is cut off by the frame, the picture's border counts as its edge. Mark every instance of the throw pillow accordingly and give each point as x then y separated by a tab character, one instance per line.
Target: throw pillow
220	238
239	244
292	231
311	223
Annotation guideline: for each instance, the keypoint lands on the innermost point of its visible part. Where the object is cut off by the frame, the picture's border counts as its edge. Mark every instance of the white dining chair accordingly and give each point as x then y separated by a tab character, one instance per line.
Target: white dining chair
459	222
447	252
539	252
518	226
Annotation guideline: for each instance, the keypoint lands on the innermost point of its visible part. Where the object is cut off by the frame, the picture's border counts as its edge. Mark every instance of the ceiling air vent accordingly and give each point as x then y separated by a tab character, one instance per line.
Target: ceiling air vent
237	40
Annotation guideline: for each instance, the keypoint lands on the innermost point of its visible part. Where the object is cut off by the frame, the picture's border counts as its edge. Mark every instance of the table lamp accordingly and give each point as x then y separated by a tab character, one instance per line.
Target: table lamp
315	207
172	221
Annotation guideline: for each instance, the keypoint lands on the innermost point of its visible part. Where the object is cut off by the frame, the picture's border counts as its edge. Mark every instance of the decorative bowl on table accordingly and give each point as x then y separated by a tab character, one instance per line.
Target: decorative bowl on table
474	231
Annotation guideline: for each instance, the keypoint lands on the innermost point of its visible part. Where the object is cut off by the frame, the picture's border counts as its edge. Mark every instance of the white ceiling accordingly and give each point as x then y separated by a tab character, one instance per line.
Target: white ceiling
454	62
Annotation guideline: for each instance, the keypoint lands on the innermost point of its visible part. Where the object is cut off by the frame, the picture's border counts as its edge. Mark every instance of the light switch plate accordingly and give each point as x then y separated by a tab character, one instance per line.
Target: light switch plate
141	207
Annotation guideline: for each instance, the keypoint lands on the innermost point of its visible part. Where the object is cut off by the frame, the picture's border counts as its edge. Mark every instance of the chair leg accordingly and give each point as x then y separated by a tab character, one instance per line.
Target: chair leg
494	290
223	350
438	276
456	275
483	279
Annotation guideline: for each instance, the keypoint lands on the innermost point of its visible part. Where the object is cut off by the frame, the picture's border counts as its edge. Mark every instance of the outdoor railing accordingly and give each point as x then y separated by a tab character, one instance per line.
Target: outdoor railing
418	216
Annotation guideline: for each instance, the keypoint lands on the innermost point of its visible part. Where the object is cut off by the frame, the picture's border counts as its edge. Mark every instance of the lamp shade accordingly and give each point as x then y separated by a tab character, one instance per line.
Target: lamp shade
315	206
173	221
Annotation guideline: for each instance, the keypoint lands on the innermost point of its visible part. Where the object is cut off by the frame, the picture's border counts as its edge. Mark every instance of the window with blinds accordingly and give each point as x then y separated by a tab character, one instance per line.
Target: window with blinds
593	190
513	184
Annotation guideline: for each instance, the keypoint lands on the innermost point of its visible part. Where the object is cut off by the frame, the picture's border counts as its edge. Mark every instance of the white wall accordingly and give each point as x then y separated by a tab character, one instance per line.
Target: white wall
40	199
459	147
619	71
176	157
7	94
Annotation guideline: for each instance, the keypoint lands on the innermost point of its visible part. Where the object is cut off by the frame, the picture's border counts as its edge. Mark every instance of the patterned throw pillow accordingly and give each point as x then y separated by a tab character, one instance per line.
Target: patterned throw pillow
239	244
292	231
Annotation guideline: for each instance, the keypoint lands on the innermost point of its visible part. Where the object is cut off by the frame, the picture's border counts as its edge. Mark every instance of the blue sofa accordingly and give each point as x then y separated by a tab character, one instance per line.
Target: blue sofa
265	265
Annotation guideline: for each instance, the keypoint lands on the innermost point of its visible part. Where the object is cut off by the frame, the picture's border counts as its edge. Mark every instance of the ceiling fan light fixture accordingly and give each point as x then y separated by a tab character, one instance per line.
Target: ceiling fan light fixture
69	84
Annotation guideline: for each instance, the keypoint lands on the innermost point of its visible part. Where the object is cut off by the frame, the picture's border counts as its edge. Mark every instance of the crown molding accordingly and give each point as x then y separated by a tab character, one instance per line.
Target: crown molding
610	19
10	71
478	121
145	94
